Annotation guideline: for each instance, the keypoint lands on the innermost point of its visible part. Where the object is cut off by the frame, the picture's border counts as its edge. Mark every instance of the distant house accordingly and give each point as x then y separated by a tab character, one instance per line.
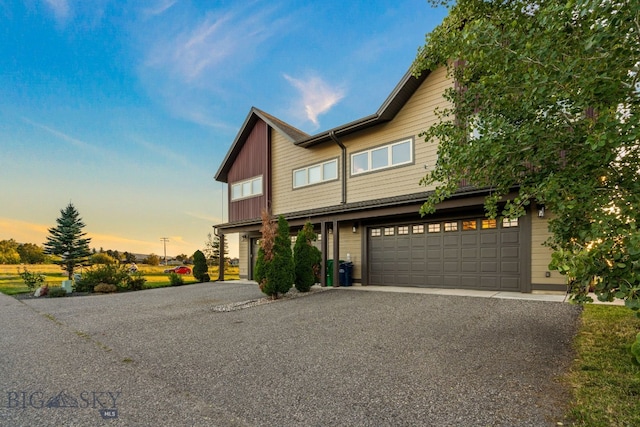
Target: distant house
358	184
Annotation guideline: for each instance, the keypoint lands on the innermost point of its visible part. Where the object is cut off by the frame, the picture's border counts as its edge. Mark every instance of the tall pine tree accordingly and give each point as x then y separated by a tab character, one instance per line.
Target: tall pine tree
67	240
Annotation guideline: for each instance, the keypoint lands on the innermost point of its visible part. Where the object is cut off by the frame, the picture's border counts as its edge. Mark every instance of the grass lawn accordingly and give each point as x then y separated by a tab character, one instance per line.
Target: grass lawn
11	283
606	385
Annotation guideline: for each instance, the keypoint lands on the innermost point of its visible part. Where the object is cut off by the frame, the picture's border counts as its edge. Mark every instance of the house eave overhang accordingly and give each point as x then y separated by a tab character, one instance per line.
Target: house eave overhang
474	196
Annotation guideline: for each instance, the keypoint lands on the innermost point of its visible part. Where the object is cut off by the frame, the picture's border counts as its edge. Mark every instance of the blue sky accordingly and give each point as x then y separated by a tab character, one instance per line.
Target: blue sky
127	108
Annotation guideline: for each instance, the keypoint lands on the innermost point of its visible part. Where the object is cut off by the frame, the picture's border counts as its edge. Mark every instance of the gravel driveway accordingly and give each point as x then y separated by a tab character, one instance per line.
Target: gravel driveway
168	357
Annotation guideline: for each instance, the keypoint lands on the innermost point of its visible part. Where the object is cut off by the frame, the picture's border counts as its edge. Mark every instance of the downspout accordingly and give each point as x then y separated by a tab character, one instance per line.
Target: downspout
335	139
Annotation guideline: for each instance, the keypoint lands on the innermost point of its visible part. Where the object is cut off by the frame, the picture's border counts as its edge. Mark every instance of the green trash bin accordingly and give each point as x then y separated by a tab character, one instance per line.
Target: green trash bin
329	272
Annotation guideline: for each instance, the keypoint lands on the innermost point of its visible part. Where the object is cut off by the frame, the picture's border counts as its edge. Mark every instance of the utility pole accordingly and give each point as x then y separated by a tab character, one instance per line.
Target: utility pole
165	240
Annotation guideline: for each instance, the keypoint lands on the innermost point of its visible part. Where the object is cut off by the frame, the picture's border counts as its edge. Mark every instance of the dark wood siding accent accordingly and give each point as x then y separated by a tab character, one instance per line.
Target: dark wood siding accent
252	161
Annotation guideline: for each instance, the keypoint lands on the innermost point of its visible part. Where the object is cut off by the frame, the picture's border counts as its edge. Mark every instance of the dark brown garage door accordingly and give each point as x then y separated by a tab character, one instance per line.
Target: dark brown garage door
476	253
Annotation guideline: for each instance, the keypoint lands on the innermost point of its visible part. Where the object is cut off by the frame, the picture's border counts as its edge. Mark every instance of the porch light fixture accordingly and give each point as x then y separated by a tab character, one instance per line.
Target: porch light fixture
540	211
354	228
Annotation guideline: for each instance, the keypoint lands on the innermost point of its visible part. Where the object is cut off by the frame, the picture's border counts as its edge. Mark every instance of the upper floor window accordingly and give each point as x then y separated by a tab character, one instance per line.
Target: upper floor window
249	188
386	156
315	174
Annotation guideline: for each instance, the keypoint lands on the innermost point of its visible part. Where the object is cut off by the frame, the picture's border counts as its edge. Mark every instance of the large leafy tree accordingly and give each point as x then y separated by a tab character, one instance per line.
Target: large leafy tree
67	240
31	253
546	101
9	252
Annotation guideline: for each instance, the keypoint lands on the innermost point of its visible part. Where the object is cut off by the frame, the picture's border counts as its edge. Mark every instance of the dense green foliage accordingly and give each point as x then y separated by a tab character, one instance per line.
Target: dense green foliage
546	101
9	252
31	253
102	258
200	267
67	240
152	259
57	292
306	258
111	274
176	279
277	268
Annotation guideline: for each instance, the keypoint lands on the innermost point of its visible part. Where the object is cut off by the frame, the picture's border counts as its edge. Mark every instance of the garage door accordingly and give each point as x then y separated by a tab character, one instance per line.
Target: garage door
475	253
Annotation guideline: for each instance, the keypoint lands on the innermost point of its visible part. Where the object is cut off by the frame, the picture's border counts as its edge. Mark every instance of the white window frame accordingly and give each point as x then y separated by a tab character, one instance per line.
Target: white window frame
307	169
246	188
390	164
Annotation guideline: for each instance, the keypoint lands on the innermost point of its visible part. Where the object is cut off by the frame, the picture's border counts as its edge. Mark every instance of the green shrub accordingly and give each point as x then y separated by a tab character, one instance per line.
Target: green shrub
105	288
112	274
57	292
135	282
279	270
307	259
206	278
32	280
635	350
200	267
176	279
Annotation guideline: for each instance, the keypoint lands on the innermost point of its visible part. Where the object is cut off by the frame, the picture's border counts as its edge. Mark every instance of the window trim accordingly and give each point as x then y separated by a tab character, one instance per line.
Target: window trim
241	184
390	164
322	179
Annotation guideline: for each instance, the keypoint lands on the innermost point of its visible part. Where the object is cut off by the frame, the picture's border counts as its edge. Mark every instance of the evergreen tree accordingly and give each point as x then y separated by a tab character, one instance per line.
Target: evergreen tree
67	240
307	259
200	267
279	271
212	248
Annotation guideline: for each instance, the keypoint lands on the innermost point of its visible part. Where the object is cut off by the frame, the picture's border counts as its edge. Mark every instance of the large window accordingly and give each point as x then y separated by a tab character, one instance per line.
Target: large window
387	156
327	171
249	188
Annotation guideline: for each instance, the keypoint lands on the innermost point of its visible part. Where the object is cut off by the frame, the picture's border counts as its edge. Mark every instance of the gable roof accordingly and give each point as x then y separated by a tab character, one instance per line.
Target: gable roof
387	111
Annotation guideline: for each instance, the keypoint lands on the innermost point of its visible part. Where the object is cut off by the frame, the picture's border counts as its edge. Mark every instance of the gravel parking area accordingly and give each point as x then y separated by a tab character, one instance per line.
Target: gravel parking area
171	357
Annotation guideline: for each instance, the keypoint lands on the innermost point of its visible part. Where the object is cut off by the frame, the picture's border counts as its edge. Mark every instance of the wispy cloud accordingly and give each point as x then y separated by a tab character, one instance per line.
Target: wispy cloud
193	60
60	8
160	7
317	96
220	40
74	141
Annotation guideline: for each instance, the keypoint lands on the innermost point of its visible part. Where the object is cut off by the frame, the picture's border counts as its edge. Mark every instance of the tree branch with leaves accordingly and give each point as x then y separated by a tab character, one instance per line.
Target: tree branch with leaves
546	101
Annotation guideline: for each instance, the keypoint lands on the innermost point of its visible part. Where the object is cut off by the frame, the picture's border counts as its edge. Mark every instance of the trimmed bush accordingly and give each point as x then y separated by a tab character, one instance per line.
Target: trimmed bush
135	282
105	288
306	259
176	279
279	270
200	267
206	278
57	292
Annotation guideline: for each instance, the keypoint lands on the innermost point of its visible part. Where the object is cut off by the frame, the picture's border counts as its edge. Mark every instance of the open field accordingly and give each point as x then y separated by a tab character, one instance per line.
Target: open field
11	283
